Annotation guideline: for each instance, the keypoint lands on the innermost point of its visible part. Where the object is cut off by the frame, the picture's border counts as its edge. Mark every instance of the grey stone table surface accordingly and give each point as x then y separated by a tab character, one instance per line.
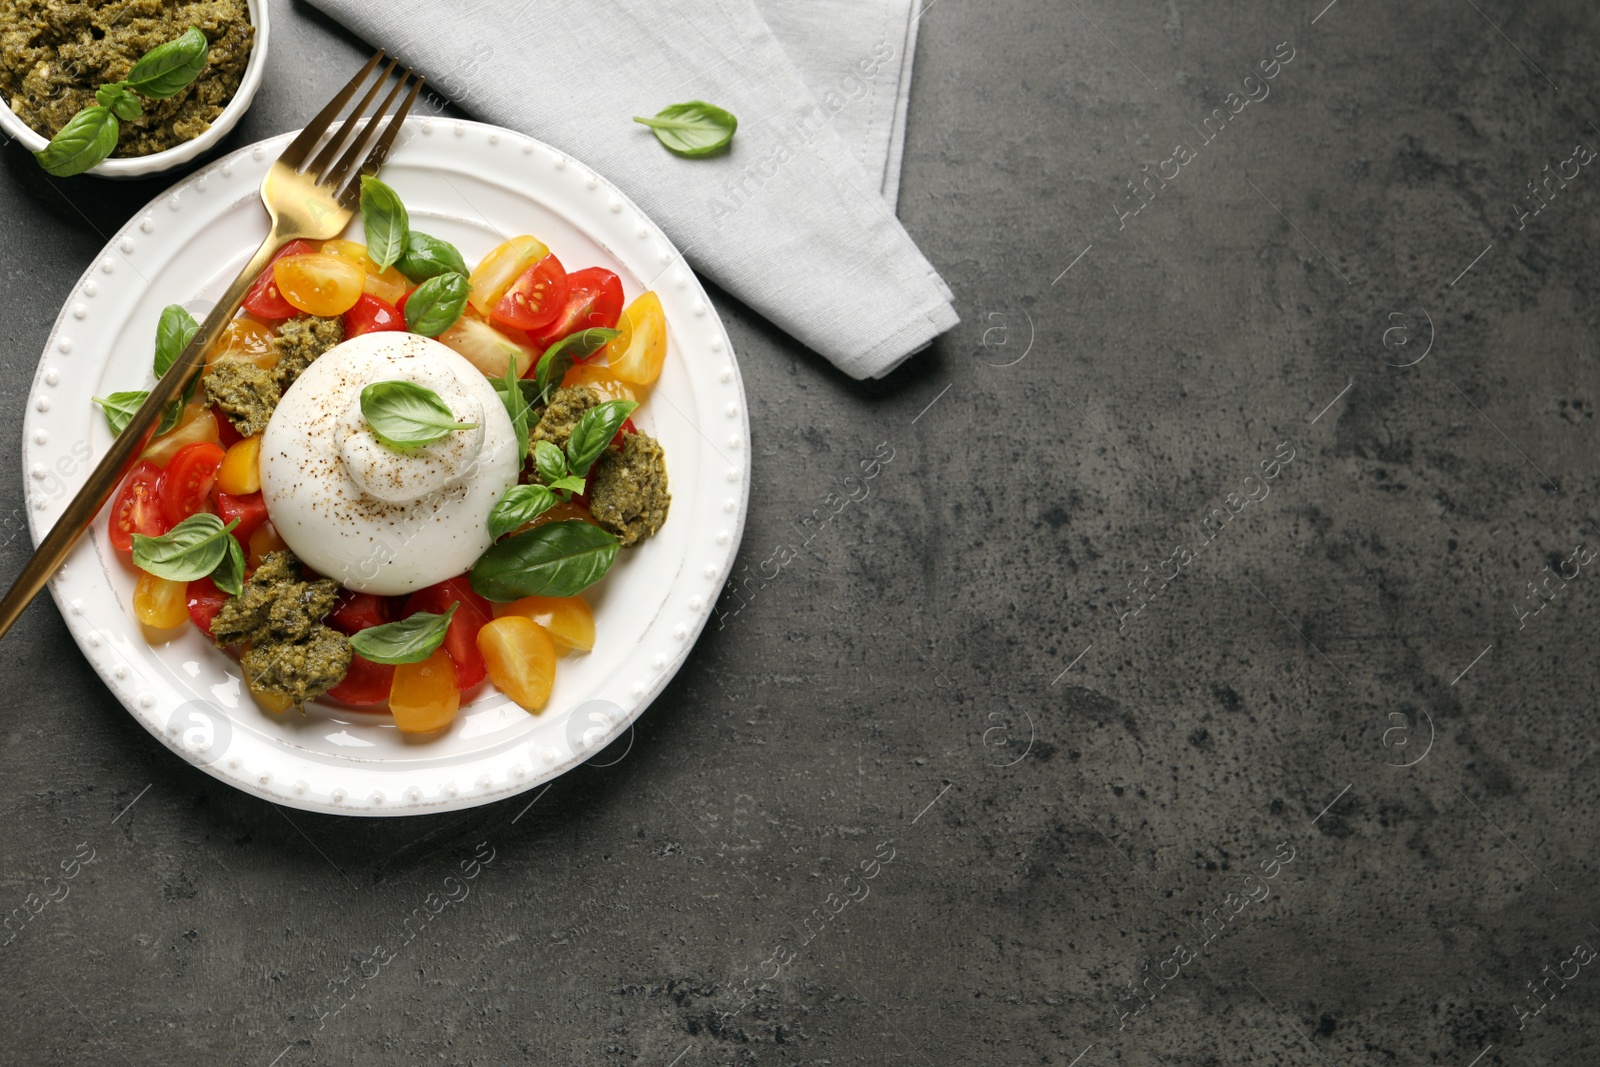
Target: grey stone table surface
1207	678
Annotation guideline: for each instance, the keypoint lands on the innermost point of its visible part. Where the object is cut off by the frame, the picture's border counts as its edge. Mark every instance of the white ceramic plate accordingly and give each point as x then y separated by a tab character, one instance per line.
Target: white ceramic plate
473	185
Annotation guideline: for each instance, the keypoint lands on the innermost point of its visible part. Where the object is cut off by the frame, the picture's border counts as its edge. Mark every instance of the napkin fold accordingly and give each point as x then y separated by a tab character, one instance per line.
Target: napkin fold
793	220
855	57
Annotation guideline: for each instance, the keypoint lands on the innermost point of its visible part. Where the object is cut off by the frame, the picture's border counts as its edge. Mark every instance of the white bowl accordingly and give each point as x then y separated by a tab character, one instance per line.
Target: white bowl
156	162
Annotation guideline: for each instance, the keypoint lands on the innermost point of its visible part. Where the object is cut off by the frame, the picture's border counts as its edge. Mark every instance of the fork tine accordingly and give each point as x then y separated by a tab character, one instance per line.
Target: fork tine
333	178
369	165
330	151
295	154
380	151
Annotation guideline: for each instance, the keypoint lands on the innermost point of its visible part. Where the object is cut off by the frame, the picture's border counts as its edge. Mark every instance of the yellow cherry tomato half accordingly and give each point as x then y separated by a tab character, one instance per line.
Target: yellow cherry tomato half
240	472
274	702
601	380
160	602
248	340
200	424
319	284
423	696
494	273
388	284
487	348
351	250
521	659
567	619
638	351
264	541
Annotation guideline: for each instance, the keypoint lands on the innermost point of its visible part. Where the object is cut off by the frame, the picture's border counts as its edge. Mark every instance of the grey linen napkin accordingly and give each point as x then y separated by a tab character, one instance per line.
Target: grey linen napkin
789	221
855	57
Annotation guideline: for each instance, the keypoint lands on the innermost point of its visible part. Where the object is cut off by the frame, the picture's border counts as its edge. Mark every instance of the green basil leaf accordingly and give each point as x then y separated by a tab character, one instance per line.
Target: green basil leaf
509	389
594	431
119	100
530	394
120	407
385	221
570	484
174	330
84	142
692	129
549	461
411	640
519	504
404	414
167	69
428	257
173	333
557	559
190	550
174	412
229	575
435	305
559	357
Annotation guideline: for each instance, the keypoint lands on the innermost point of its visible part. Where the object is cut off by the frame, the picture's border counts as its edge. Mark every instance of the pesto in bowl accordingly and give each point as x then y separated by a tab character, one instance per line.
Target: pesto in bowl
55	53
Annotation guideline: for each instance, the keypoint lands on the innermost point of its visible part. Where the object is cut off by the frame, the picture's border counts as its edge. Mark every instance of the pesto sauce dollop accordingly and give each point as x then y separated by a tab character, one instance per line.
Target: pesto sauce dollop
58	53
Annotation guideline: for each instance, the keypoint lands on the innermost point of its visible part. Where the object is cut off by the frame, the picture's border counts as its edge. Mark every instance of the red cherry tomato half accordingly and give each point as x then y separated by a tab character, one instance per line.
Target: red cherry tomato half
137	510
263	299
461	640
187	480
250	510
364	683
535	298
358	611
227	436
205	600
594	298
371	315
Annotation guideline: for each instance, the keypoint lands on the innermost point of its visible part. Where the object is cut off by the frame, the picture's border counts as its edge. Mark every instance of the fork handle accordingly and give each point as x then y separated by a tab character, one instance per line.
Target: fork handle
127	445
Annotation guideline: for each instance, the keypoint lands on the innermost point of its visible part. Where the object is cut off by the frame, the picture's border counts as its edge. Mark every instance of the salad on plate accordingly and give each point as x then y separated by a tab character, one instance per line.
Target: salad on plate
395	476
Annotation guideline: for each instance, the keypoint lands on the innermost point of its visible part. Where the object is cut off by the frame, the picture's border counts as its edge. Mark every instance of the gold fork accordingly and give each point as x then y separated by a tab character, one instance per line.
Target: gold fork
313	201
